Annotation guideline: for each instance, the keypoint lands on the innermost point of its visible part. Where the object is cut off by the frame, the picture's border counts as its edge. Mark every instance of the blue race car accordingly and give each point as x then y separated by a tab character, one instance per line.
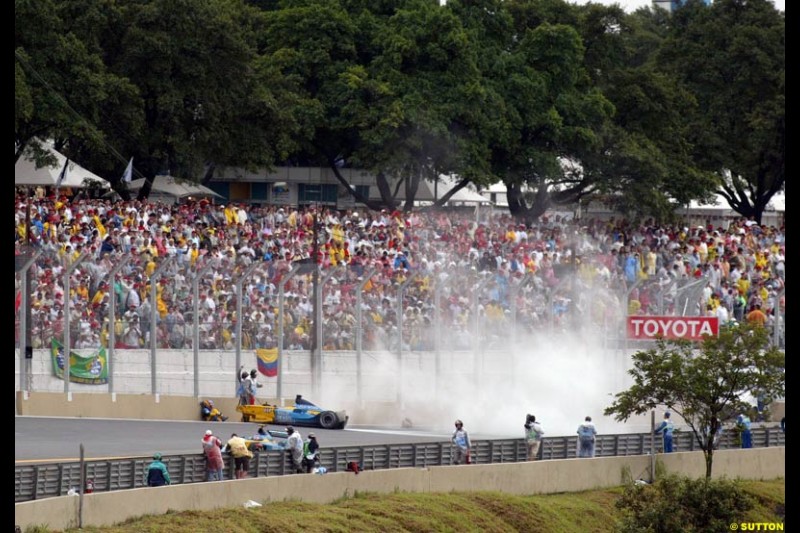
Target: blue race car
264	439
302	413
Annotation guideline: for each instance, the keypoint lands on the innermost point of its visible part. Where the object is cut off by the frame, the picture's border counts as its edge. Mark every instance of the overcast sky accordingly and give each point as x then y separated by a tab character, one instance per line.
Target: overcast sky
633	5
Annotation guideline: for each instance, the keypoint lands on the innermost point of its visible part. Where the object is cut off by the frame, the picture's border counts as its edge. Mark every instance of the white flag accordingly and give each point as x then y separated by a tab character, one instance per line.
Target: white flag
63	175
126	177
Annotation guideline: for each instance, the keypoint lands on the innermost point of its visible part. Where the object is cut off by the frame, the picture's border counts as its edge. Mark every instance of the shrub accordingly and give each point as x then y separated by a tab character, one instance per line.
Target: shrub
677	503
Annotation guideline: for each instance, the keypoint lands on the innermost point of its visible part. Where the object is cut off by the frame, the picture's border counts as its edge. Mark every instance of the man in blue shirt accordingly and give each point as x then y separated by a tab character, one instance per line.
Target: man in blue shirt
666	428
743	425
586	437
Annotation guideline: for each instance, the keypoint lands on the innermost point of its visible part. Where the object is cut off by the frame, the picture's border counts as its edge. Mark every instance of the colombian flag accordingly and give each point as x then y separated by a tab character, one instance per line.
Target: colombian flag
267	361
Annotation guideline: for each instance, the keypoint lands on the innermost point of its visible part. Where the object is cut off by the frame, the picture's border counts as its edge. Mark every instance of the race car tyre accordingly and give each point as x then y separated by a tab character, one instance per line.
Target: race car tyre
328	420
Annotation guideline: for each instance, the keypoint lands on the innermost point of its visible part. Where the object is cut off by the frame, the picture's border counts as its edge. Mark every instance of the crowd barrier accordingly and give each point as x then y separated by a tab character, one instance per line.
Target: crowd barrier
43	480
538	477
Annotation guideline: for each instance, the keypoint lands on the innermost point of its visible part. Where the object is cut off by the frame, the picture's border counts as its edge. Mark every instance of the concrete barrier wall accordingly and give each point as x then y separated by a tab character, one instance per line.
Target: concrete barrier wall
133	406
146	406
217	373
541	477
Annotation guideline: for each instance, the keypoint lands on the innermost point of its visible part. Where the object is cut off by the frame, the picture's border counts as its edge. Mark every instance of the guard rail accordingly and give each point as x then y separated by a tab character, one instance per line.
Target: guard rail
45	480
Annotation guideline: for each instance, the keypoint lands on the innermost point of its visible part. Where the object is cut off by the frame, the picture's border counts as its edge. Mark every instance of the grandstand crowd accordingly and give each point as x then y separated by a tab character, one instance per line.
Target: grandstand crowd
490	277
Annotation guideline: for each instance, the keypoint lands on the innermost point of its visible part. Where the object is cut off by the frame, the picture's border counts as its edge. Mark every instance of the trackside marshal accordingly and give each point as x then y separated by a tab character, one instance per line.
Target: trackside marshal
692	328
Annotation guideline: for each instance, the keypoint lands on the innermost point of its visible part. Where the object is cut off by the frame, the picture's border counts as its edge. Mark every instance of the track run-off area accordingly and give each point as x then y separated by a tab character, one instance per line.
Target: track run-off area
48	439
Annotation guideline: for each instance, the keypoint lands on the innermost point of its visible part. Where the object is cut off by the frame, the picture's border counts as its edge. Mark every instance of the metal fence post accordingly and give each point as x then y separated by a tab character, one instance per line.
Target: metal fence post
400	291
196	327
360	334
153	328
67	311
112	311
778	318
624	331
437	340
24	362
513	318
477	358
316	361
281	297
239	284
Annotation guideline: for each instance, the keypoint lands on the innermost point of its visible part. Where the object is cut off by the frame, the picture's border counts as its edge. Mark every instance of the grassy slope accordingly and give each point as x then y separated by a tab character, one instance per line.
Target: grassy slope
591	511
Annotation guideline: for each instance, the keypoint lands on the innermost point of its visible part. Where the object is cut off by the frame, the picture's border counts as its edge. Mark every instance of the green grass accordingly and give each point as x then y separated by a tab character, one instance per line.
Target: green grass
591	511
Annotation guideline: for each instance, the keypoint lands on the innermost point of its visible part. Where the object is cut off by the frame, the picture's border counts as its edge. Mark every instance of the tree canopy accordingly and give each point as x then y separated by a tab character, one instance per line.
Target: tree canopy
731	57
560	102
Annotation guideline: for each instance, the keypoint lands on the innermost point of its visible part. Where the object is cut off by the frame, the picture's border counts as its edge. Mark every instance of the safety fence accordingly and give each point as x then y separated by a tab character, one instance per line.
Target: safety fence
127	301
45	480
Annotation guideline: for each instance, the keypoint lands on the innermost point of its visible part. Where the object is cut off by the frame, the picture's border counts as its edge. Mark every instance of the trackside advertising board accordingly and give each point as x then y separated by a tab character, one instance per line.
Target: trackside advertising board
691	328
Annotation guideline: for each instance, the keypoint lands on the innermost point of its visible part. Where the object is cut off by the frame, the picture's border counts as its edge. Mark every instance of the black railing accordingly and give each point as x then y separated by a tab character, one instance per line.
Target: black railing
46	480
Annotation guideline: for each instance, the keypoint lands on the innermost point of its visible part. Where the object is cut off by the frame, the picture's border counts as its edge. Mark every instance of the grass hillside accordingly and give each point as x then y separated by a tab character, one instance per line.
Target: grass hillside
592	511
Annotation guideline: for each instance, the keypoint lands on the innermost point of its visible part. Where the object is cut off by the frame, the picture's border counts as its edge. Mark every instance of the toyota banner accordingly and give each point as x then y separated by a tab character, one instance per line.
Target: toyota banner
692	328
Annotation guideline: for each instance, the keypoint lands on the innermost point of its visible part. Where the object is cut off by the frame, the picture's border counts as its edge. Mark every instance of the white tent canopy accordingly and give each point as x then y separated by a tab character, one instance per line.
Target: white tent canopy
26	172
776	203
170	186
428	191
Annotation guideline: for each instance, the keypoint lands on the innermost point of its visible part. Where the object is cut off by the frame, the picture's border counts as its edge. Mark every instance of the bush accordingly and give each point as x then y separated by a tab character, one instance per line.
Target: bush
676	503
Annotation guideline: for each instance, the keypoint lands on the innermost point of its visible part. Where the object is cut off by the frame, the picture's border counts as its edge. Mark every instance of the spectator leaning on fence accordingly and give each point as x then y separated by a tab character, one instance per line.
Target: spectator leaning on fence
294	447
533	436
460	438
666	428
156	474
237	447
587	434
212	448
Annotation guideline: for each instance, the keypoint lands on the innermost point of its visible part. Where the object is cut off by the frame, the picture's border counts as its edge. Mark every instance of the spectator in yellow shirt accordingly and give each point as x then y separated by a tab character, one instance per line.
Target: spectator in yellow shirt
194	253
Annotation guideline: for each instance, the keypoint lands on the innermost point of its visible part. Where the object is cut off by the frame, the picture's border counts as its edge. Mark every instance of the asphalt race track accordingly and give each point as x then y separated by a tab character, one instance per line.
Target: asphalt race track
44	439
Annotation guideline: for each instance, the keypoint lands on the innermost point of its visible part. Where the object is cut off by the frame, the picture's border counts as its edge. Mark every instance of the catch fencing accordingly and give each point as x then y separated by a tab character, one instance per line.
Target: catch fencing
45	480
211	304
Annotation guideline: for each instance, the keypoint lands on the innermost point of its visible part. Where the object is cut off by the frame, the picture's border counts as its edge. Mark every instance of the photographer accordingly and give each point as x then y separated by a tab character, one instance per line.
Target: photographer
533	436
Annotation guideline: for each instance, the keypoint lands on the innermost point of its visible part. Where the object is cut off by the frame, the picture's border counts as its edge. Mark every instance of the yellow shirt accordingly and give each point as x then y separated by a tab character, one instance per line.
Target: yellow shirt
337	235
83	292
97	299
743	285
101	229
230	216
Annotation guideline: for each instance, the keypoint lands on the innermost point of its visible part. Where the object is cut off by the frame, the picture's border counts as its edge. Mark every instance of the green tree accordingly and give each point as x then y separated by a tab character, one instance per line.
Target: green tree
544	113
643	167
314	45
704	384
384	86
428	65
61	85
732	57
207	98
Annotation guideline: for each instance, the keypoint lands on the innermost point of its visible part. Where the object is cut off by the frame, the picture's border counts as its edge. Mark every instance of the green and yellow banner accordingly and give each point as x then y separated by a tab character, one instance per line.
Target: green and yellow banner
90	370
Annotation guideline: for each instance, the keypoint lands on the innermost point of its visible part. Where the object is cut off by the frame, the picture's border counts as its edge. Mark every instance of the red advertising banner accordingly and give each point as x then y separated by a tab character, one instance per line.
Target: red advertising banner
672	327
